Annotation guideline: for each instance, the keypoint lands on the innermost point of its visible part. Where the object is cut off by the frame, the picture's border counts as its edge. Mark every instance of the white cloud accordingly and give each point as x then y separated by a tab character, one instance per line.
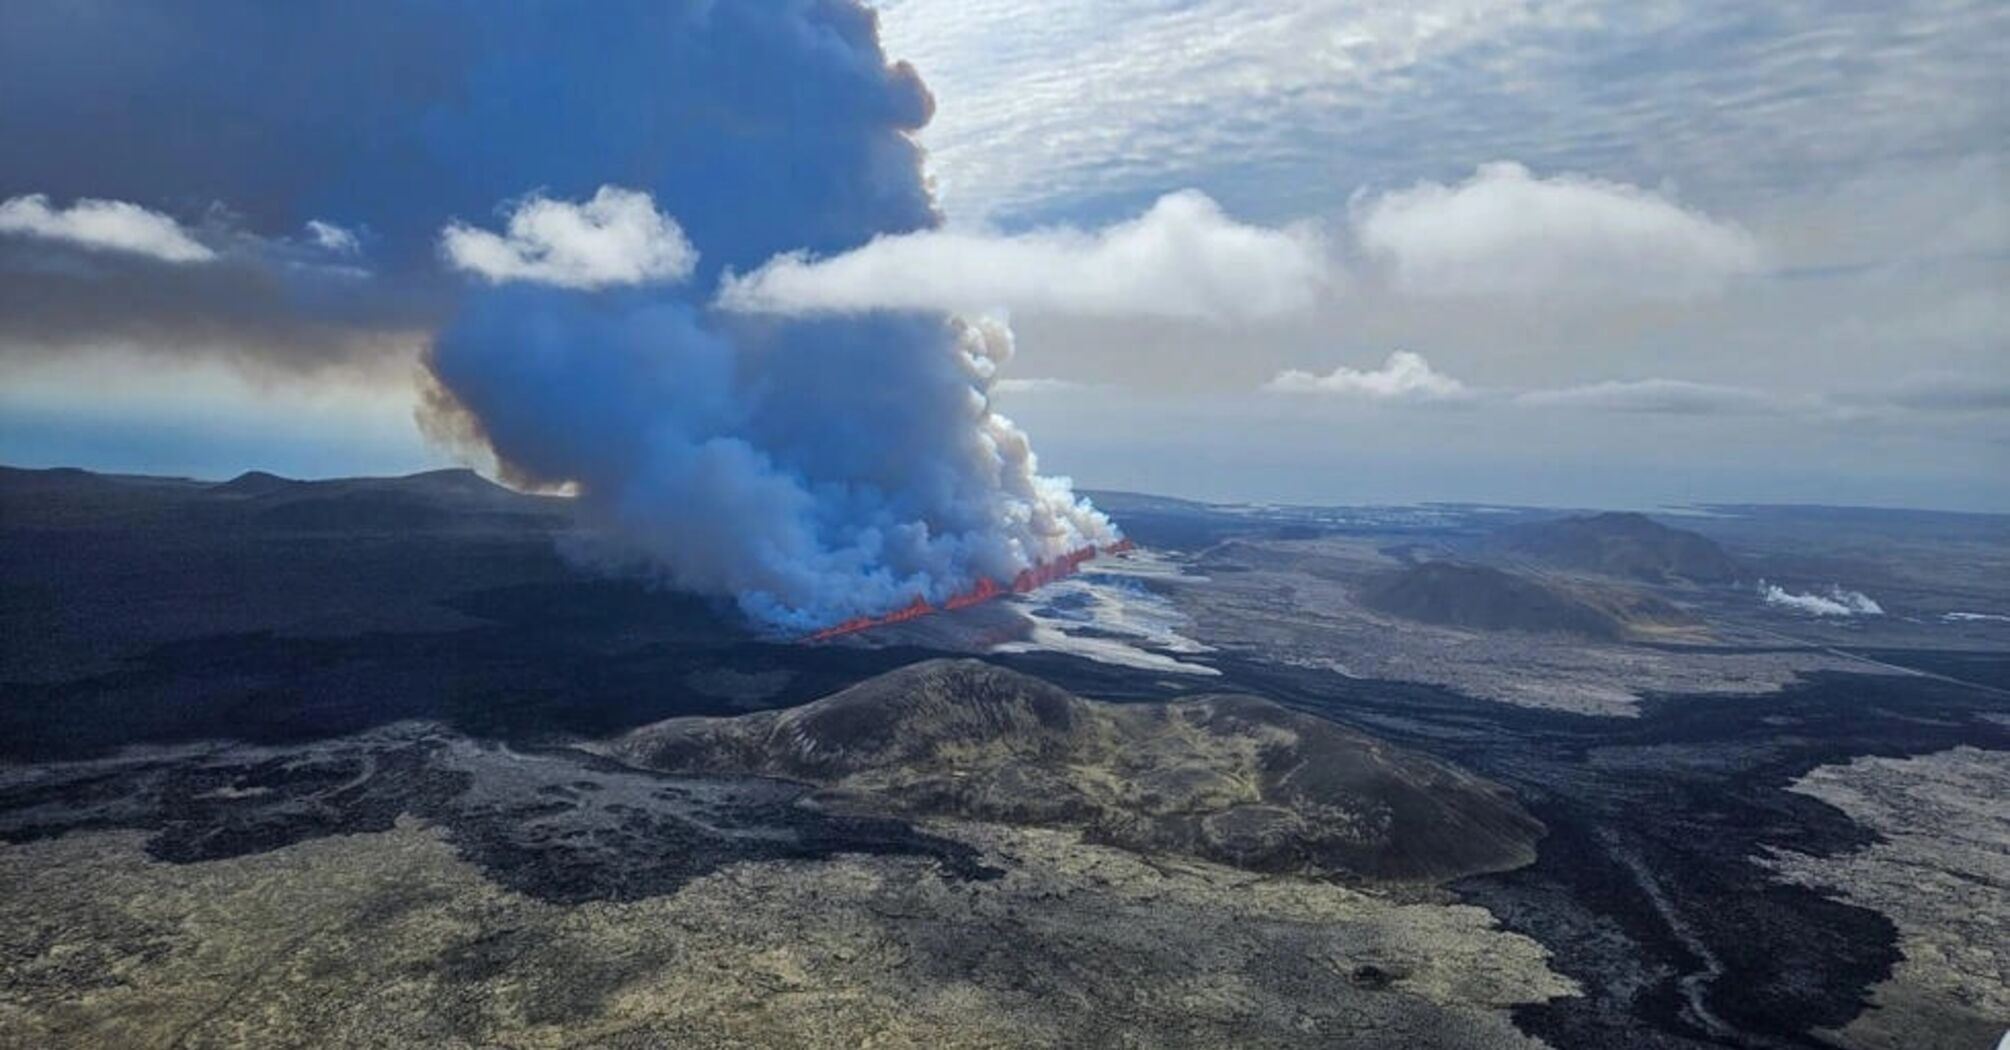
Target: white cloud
1037	385
332	238
1183	258
1048	99
1506	232
1044	105
1669	396
1404	376
1408	376
102	225
617	237
1837	602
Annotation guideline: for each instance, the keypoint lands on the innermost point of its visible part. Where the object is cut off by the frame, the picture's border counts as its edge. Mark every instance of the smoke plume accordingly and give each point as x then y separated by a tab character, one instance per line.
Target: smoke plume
552	191
812	471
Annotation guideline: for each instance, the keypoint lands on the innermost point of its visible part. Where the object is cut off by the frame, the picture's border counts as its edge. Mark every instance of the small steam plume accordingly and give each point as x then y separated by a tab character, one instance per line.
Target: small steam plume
1836	601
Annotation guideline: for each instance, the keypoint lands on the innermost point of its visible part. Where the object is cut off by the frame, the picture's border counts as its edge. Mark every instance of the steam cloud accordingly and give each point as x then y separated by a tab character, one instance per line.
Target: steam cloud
1836	602
553	192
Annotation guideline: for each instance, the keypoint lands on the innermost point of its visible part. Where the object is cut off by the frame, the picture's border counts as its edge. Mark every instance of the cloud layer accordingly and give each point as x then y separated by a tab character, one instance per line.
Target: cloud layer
615	237
1181	258
1406	376
1264	107
1664	396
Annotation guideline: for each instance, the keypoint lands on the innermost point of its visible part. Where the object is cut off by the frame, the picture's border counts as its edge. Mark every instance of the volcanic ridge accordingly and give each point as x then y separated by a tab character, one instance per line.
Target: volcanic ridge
1229	778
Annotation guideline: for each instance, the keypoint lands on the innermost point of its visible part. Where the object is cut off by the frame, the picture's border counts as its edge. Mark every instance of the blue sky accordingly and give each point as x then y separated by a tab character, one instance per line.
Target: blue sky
1632	253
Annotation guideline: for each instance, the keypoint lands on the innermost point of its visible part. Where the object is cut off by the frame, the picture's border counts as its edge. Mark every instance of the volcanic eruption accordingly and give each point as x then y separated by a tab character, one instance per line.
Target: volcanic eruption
818	471
545	206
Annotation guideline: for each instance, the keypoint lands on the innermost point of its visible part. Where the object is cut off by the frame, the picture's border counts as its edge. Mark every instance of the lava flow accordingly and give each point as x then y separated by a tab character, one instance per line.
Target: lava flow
982	591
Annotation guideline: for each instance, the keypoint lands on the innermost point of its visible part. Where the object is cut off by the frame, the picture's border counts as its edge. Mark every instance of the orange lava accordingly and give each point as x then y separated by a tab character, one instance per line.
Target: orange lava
982	591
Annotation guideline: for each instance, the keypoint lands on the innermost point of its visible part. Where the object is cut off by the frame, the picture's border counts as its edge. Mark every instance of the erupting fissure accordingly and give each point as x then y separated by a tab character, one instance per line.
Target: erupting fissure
984	590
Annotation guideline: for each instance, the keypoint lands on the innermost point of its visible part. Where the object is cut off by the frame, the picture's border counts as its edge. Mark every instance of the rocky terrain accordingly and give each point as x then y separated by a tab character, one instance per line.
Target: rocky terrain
1305	601
389	939
1230	778
348	775
1941	872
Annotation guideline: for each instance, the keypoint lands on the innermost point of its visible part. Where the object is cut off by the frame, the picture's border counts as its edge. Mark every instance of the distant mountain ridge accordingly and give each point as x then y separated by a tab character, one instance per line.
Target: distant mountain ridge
99	568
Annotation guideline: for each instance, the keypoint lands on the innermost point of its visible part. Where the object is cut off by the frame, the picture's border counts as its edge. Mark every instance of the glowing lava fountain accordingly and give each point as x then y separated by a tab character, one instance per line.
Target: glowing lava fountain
984	590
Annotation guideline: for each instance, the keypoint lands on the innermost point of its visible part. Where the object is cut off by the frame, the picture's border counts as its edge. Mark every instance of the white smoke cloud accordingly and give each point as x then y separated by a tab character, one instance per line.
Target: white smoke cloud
1404	376
1183	258
1506	232
1836	602
1043	517
618	237
103	225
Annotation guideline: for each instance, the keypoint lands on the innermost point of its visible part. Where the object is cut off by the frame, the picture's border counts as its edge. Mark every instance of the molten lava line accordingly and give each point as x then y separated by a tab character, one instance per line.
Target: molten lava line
982	591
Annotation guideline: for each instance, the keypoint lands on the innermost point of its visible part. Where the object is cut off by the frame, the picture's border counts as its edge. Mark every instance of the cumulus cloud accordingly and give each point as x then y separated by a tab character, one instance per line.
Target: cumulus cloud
1835	602
332	238
1508	232
1403	376
1660	396
617	237
103	225
1183	258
